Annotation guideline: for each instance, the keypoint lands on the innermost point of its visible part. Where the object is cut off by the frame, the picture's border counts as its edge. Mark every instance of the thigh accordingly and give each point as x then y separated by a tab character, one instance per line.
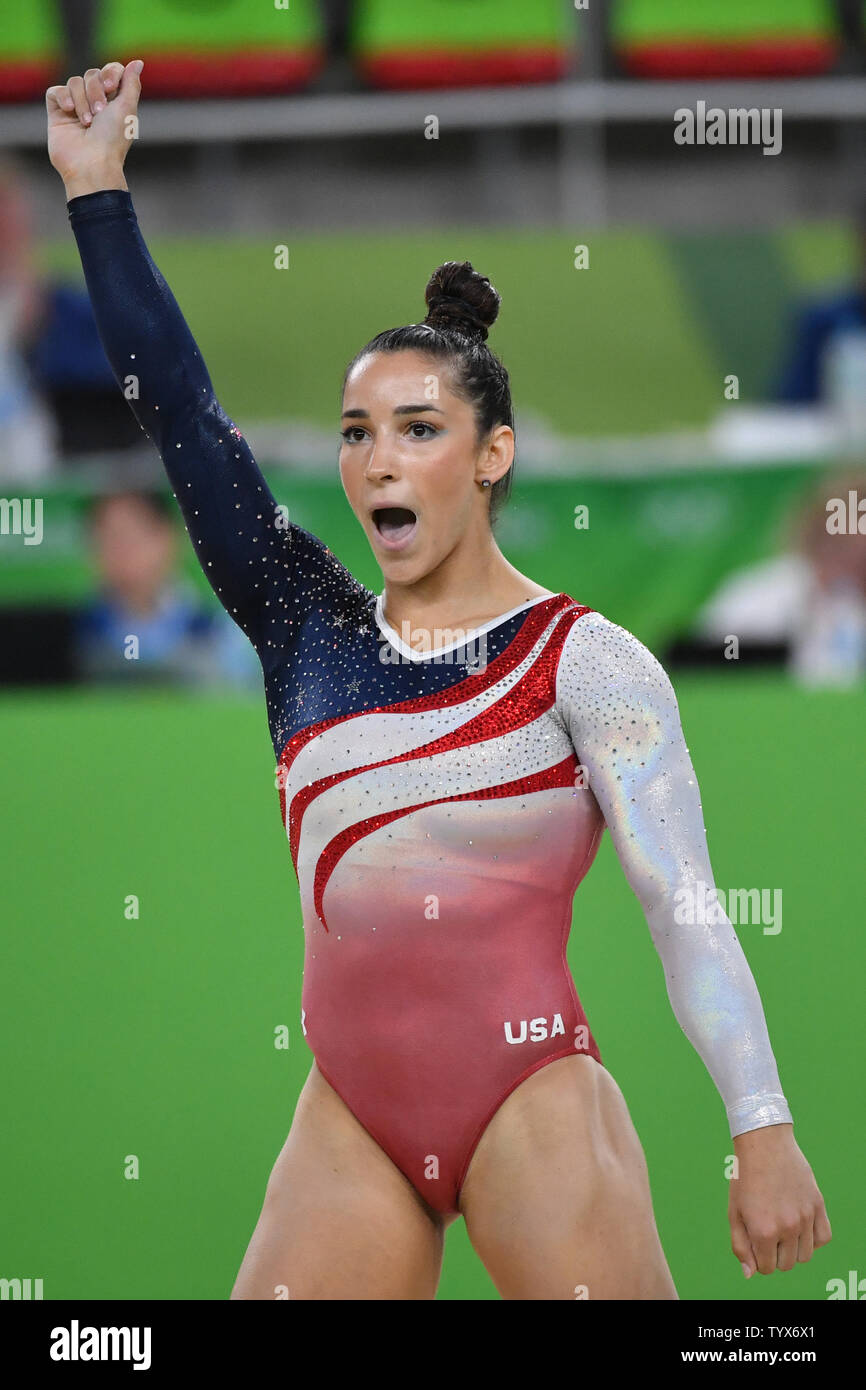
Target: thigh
557	1199
339	1219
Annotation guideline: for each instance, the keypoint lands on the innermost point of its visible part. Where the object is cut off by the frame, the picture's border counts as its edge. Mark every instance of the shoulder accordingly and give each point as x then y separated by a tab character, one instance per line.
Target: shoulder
603	667
593	636
320	576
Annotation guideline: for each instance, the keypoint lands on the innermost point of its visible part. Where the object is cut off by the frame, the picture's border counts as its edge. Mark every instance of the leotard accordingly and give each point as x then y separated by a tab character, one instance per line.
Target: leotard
440	809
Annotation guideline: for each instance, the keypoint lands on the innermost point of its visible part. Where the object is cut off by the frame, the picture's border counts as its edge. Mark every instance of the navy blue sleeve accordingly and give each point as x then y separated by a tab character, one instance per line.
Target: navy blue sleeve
267	572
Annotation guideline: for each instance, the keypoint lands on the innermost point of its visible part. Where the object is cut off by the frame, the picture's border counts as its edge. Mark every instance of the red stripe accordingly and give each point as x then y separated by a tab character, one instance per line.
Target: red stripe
224	73
560	775
463	690
531	697
230	73
527	701
443	67
268	70
28	78
752	58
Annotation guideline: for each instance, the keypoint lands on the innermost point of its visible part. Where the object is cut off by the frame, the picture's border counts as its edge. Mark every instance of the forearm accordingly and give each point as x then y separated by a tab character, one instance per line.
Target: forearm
622	712
716	1002
662	843
146	339
228	508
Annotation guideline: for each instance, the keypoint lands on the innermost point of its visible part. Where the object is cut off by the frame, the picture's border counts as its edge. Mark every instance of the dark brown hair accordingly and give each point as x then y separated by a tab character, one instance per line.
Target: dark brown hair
461	306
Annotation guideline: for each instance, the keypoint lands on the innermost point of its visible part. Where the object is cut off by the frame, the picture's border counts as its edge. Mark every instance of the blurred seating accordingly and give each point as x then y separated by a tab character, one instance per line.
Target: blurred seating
237	48
31	50
737	38
451	43
227	49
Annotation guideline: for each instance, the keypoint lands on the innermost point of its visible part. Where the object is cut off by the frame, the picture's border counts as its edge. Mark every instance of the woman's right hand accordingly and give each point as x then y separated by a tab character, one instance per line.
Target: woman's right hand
91	124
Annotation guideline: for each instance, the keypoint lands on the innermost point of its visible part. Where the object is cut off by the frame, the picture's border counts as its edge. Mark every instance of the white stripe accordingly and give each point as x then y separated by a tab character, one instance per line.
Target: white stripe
395	786
369	738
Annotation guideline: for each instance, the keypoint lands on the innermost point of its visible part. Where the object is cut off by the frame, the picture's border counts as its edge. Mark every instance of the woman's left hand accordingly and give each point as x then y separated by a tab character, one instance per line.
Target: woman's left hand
775	1208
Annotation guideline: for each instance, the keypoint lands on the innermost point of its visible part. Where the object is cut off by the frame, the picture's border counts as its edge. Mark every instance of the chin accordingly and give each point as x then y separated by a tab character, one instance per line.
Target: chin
402	566
401	571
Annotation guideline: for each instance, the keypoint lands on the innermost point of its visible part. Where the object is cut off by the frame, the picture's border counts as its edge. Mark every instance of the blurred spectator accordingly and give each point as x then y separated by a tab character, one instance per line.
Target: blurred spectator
826	363
27	445
70	368
147	623
812	597
58	395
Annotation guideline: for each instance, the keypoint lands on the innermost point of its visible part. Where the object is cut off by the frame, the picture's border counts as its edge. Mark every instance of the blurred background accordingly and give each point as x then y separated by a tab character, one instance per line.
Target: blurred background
685	328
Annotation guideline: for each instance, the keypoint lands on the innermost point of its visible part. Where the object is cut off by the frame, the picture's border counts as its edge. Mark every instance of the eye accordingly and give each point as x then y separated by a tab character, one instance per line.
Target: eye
350	431
423	425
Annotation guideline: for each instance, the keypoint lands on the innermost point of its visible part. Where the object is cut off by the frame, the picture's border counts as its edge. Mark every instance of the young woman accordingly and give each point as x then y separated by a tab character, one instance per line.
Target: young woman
442	801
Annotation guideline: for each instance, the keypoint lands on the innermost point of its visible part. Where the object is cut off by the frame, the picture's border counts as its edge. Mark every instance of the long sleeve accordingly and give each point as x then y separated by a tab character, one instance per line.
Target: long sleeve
619	707
266	571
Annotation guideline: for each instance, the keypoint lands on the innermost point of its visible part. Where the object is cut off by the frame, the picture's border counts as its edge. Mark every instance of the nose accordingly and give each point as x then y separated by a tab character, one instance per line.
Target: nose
381	460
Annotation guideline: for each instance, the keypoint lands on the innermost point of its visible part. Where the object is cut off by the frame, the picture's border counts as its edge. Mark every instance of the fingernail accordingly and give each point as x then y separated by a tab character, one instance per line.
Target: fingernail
745	1269
98	105
87	118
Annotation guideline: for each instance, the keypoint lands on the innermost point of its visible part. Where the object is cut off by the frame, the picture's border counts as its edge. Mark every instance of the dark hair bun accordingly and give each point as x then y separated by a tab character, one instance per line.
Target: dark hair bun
462	300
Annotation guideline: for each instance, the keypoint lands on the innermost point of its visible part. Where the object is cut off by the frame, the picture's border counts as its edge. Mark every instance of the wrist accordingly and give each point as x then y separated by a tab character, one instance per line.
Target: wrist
764	1135
94	181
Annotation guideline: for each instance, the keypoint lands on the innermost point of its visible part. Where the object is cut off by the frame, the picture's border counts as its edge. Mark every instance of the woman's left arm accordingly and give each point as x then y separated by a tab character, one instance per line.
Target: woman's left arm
622	715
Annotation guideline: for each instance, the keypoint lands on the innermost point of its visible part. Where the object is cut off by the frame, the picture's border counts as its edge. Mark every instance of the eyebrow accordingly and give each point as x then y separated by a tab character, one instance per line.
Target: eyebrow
361	414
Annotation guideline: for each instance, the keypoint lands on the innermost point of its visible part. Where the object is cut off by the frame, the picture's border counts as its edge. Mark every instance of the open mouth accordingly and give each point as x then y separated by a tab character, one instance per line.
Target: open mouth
395	525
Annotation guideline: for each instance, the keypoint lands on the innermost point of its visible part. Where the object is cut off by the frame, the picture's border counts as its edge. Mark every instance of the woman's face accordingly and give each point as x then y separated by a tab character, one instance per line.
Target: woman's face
410	461
135	549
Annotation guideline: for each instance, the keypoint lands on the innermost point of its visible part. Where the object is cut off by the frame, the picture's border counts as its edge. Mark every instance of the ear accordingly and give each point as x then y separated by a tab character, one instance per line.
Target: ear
497	455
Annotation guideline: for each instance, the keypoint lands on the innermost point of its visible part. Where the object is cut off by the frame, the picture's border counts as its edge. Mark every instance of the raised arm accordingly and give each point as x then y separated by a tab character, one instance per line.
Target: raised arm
266	571
623	719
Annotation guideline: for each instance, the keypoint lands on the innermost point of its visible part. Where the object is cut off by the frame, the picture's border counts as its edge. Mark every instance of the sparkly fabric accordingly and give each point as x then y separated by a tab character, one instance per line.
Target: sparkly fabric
621	712
440	810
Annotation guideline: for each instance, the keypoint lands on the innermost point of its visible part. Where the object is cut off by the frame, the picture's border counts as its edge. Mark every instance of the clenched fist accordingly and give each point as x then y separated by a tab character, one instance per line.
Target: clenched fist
91	125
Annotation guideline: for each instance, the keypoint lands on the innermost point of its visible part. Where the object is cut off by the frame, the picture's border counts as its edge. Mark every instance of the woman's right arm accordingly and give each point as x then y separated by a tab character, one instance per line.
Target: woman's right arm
265	571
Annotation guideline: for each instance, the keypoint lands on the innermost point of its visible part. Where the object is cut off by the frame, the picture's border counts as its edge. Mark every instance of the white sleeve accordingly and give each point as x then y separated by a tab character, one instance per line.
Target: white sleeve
620	710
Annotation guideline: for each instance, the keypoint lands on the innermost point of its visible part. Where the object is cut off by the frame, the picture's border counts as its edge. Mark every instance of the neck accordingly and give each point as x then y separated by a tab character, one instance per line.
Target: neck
471	586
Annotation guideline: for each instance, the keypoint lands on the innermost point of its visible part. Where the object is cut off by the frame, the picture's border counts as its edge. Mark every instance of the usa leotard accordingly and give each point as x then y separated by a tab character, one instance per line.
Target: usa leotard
440	809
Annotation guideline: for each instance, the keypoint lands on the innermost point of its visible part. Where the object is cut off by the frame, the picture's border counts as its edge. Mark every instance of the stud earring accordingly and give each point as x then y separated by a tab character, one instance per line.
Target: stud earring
485	482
